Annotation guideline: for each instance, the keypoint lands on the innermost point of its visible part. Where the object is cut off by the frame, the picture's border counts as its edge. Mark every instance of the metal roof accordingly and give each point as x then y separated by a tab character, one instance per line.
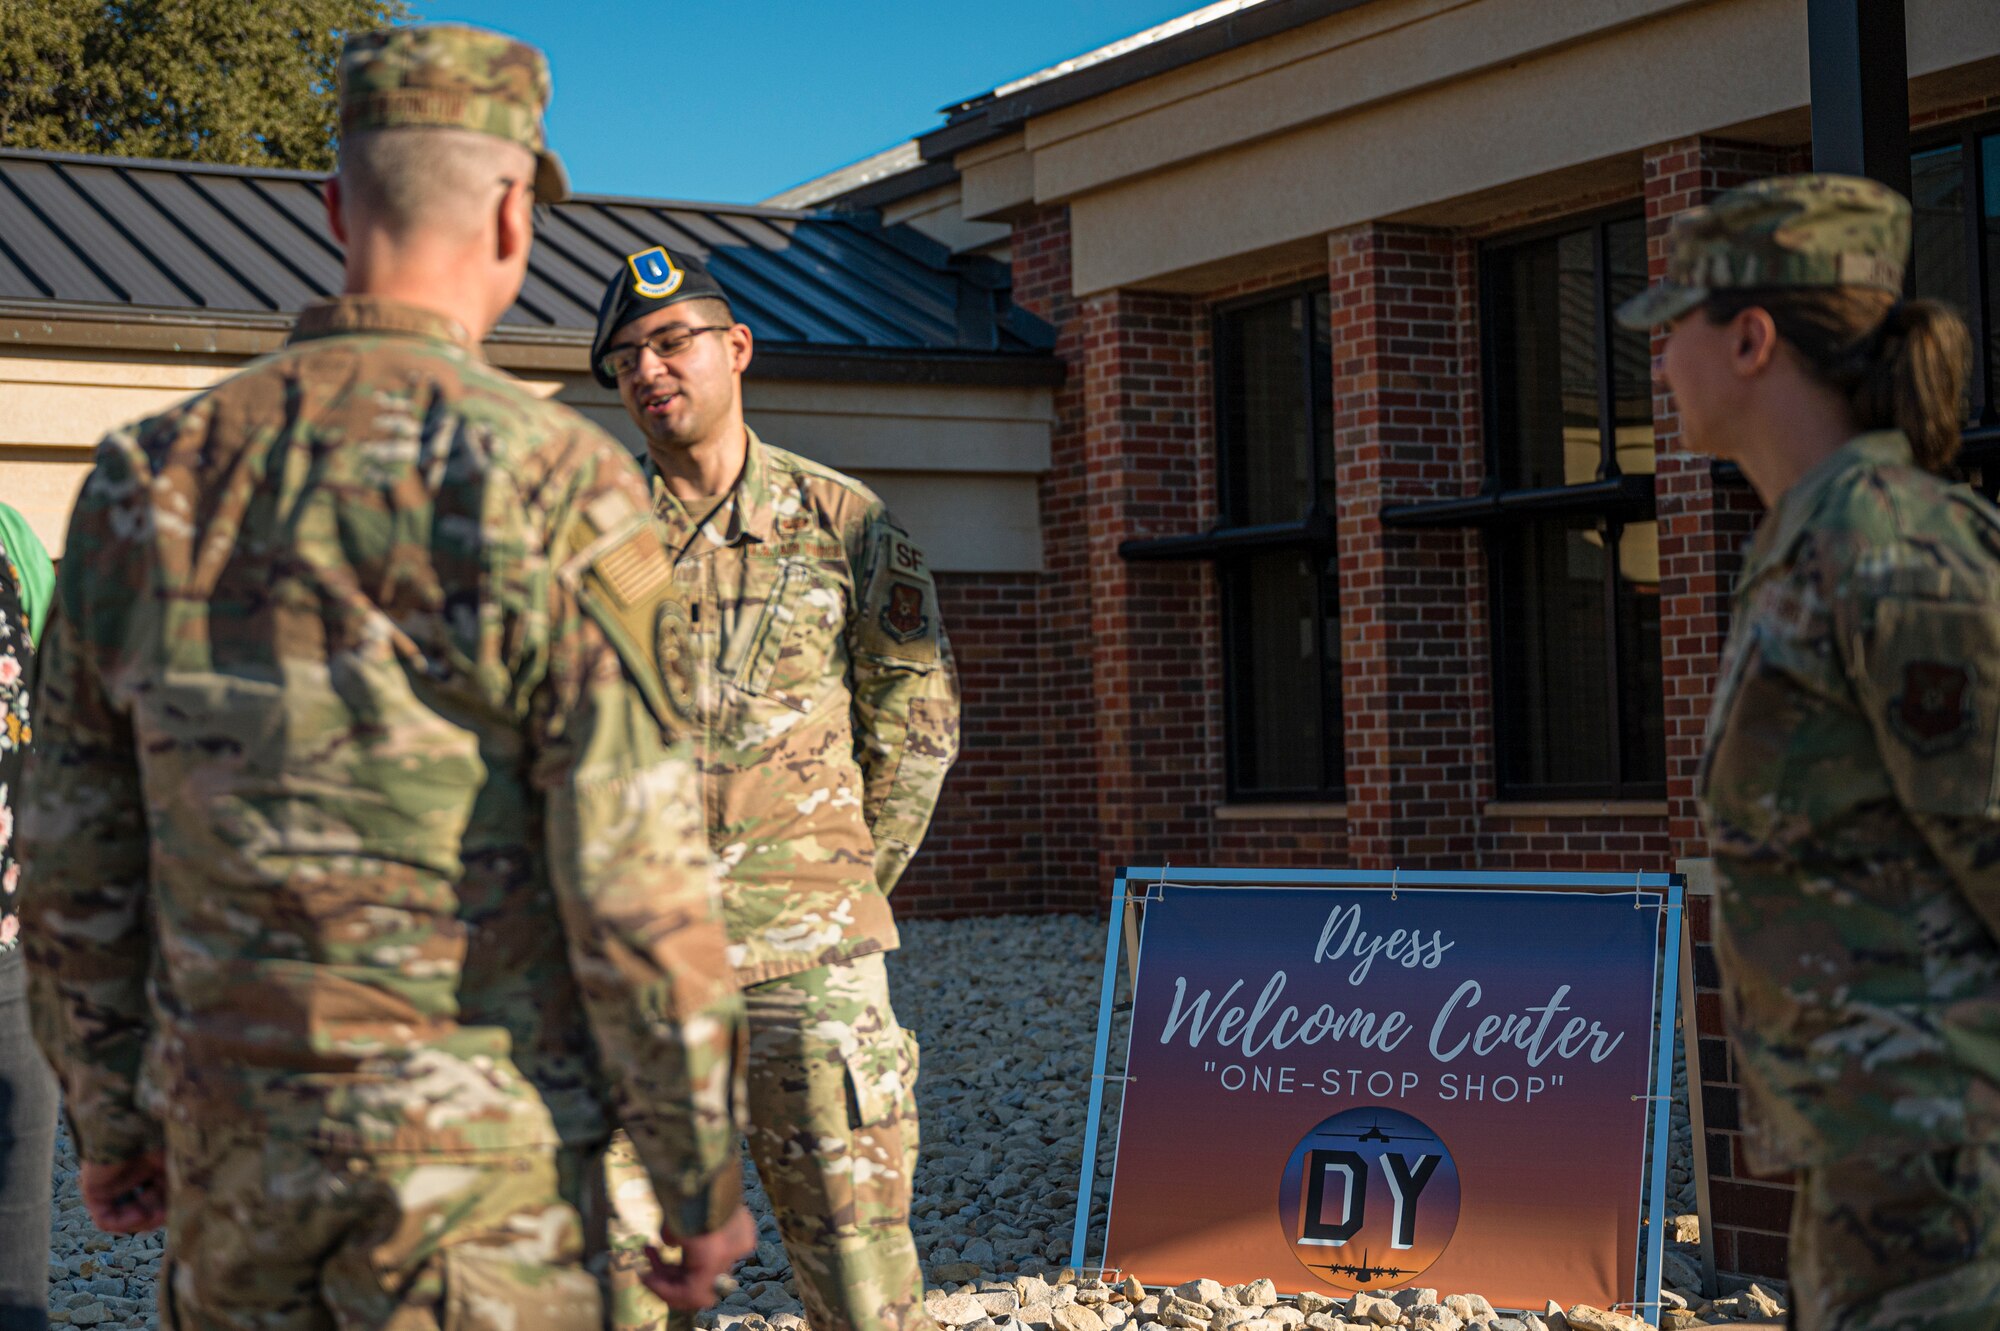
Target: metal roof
156	237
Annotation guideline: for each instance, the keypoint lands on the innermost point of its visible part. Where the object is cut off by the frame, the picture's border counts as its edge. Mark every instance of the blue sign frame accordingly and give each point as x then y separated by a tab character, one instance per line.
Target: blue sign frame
1669	889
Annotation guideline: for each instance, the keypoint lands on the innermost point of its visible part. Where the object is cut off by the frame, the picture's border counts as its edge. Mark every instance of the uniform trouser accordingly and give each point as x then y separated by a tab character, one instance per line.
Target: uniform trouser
1898	1243
833	1130
269	1235
27	1157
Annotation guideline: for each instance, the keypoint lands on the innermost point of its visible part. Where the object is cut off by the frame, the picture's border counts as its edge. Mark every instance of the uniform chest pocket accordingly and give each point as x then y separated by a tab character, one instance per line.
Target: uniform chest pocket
793	610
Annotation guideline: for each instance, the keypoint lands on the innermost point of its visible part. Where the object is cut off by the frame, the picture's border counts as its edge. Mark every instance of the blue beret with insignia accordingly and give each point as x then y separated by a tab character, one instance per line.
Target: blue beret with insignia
647	280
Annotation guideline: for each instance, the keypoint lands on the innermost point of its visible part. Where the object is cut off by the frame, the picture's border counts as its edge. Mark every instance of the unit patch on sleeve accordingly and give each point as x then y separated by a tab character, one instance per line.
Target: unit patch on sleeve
1933	714
904	617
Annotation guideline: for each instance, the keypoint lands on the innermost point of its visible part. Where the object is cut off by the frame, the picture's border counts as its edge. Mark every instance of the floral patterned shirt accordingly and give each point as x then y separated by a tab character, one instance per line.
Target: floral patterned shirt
17	662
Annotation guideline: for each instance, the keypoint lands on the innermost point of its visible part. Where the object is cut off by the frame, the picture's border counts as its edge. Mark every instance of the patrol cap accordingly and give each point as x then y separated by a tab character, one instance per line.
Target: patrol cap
649	279
451	76
1788	231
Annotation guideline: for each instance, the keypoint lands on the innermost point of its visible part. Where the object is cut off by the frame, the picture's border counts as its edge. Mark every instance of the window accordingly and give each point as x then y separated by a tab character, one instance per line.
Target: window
1573	551
1955	187
1273	549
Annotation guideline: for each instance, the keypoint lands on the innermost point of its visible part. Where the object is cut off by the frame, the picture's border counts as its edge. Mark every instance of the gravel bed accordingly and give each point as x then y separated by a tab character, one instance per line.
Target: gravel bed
1006	1010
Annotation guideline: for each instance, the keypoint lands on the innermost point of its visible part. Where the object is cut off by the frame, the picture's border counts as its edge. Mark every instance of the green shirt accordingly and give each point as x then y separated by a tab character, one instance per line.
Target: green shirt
33	573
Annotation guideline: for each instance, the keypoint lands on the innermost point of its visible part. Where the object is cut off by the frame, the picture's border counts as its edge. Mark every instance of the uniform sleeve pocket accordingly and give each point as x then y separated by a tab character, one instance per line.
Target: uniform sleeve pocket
787	659
1931	678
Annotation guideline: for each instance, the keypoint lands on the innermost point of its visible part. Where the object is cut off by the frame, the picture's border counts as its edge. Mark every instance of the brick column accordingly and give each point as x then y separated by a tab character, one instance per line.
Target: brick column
1151	626
1066	723
1411	672
1128	651
1704	526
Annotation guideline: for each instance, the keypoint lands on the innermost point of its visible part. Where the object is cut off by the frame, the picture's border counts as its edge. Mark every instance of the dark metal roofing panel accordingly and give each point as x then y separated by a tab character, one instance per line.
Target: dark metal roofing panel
225	236
15	283
171	236
187	263
99	239
42	251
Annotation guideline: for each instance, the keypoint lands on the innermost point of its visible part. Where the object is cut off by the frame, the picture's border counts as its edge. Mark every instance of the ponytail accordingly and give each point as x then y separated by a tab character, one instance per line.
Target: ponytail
1901	365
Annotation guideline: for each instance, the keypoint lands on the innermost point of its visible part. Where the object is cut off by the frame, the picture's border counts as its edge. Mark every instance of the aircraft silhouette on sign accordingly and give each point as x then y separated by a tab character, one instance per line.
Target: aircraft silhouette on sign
1373	1134
1366	1273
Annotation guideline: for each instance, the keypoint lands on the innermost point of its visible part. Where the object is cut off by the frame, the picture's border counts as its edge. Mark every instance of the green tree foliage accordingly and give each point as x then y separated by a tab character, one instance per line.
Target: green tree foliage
248	82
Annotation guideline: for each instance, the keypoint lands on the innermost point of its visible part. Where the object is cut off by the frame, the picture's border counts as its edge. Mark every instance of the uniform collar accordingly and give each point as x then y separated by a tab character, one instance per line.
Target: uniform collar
1782	529
746	514
377	314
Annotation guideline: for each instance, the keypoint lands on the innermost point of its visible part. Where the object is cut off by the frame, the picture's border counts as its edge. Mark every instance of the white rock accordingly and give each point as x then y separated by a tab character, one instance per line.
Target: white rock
1259	1294
1374	1308
1435	1317
1764	1301
957	1310
1584	1317
1206	1292
1076	1317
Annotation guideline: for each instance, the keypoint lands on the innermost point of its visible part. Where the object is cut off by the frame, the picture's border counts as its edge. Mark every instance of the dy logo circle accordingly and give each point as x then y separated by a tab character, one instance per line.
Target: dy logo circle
1369	1199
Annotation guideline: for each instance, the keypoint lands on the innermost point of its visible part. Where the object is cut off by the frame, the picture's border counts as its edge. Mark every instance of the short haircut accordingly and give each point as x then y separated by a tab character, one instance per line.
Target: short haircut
428	179
708	310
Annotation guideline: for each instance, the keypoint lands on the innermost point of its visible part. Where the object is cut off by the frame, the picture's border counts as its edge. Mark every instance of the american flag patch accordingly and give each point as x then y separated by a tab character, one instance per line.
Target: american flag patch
635	568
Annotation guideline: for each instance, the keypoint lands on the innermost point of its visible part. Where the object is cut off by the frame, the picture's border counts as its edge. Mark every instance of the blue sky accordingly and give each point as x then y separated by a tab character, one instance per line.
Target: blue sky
735	100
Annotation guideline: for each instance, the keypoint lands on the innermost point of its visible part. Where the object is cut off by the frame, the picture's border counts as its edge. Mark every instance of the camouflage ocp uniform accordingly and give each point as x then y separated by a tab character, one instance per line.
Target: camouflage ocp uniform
368	873
821	687
824	700
1851	786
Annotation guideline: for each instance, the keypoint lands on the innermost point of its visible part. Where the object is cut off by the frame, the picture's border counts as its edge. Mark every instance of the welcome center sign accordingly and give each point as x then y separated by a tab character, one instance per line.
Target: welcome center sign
1343	1085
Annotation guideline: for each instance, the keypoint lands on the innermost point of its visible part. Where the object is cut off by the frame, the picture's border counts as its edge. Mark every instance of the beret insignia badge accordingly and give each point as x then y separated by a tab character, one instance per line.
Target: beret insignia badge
654	273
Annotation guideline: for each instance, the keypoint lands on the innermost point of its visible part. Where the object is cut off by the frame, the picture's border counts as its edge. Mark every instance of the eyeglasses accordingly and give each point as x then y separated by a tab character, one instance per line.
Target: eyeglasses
667	344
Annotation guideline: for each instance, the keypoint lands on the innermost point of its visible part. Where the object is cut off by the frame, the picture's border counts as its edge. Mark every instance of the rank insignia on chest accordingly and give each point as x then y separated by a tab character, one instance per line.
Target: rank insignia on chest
1934	711
903	618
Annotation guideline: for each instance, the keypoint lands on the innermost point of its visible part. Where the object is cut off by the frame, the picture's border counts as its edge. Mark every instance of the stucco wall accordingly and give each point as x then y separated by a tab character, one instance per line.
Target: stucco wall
959	465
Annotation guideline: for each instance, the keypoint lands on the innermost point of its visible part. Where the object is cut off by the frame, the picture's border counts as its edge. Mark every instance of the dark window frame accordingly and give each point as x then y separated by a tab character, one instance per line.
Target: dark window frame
1982	432
1312	536
1611	501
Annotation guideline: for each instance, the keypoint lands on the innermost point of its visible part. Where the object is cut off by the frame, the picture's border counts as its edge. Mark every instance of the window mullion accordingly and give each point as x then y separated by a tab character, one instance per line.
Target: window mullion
1607	385
1306	413
1977	261
1614	697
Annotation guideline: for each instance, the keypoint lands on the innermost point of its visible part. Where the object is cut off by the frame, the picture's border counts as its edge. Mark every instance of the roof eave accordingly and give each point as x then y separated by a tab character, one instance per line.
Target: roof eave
76	326
983	119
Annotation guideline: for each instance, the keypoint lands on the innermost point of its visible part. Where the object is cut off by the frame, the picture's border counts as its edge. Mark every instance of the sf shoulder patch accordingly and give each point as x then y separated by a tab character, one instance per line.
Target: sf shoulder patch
904	616
1933	713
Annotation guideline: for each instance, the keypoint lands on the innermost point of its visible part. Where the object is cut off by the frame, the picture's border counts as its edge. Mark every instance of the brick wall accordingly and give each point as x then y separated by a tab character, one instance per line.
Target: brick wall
1400	306
1705	524
984	852
1094	733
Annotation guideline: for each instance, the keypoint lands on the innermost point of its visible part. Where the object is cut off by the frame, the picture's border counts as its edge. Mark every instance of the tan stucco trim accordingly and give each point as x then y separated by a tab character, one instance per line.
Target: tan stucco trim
1576	809
1280	813
1681	74
996	180
960	465
1354	60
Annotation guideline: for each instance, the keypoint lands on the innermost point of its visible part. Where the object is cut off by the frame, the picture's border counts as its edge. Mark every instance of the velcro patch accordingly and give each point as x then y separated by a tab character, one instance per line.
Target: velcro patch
635	569
1933	713
904	617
